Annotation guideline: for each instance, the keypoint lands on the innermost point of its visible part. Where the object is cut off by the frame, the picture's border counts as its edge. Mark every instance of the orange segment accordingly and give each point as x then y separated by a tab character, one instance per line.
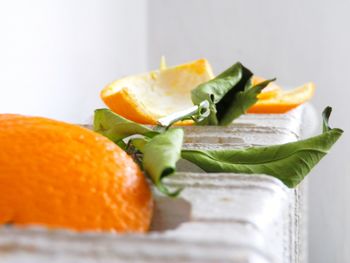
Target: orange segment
147	97
285	100
61	175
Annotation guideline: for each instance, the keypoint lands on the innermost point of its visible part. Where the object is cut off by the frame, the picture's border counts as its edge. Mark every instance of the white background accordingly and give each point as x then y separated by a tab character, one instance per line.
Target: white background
56	55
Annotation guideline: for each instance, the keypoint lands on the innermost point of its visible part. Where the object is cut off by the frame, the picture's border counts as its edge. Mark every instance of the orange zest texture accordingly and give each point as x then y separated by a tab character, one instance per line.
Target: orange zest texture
62	175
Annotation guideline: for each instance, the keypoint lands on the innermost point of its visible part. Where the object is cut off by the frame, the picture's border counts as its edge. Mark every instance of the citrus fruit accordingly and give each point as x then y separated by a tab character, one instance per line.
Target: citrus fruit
147	97
61	175
284	100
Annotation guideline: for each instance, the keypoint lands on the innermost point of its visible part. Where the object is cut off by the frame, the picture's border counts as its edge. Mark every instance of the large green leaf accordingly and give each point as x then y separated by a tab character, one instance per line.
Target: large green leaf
289	162
116	128
160	156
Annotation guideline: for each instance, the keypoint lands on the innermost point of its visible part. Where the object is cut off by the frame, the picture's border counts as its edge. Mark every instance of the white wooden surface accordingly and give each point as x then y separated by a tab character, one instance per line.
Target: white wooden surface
217	218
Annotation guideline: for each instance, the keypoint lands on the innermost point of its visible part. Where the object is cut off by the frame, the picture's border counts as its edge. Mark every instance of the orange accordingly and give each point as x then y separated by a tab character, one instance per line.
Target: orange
148	97
61	175
284	101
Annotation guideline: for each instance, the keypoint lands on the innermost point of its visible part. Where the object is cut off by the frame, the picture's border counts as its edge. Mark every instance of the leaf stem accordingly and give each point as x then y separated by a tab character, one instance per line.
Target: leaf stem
197	113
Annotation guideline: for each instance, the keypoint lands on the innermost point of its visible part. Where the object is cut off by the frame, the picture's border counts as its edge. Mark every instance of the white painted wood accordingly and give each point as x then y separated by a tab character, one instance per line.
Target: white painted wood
218	217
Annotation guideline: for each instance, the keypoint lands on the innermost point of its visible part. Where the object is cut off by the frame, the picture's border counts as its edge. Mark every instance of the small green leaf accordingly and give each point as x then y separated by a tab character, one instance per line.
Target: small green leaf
325	116
289	162
160	156
220	92
243	101
230	95
139	143
116	128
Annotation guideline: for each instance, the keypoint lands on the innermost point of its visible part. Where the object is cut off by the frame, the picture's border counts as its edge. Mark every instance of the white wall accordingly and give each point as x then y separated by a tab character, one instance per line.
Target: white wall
295	41
55	56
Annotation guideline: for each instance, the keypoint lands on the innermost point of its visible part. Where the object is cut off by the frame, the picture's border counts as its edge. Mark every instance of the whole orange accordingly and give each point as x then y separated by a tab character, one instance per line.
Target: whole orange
62	175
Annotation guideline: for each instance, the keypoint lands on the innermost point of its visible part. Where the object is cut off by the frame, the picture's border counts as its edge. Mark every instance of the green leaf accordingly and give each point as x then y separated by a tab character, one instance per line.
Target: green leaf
139	143
160	156
325	116
230	95
289	162
116	128
220	92
243	100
